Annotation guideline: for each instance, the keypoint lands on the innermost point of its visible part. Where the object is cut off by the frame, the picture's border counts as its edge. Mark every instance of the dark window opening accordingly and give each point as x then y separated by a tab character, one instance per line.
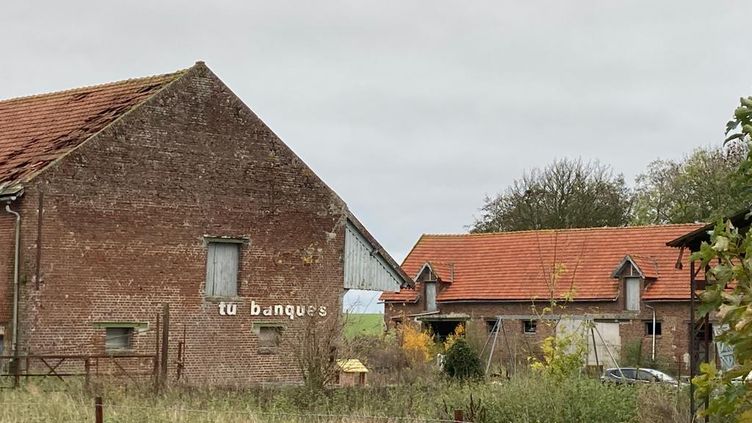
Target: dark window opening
700	330
649	328
442	328
2	344
529	326
492	327
118	339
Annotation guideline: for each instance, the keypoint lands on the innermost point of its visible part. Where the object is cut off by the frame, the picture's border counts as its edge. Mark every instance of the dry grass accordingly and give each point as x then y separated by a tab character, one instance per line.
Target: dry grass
522	399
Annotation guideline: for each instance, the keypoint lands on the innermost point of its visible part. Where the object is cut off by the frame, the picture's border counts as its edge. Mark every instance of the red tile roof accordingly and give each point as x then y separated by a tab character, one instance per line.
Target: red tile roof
443	271
648	266
519	266
37	130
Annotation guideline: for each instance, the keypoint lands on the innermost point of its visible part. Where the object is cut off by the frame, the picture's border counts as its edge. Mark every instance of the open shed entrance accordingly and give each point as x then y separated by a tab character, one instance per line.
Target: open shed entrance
443	326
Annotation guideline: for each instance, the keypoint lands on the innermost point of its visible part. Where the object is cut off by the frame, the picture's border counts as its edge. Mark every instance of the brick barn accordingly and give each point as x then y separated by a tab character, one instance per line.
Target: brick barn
119	198
624	282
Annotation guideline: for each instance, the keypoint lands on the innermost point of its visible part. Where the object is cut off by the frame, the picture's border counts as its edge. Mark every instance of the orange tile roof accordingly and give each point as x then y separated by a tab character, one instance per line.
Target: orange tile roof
39	129
443	271
520	266
648	266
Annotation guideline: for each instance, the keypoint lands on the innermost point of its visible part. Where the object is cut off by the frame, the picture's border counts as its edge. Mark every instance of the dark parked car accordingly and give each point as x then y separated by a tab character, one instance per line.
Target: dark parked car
636	375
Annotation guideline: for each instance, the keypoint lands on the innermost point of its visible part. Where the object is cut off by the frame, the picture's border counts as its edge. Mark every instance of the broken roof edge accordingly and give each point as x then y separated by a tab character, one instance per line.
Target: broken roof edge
407	281
9	193
177	76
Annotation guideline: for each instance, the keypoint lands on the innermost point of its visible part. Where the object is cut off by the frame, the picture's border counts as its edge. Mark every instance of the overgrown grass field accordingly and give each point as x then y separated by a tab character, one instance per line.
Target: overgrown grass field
525	399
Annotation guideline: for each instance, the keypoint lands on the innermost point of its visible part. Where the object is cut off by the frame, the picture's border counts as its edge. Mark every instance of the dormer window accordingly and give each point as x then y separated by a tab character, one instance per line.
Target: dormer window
430	295
430	276
632	289
632	272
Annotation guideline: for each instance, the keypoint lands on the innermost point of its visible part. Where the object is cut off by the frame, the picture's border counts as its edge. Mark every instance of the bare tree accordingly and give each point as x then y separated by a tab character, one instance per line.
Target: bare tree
565	194
317	350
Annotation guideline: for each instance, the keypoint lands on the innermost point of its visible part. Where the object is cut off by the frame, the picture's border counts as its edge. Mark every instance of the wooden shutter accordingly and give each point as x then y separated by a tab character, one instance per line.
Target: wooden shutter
222	269
430	296
633	294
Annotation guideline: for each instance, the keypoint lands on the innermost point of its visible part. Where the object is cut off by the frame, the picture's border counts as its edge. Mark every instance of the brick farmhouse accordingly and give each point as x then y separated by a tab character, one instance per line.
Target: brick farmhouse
624	283
169	190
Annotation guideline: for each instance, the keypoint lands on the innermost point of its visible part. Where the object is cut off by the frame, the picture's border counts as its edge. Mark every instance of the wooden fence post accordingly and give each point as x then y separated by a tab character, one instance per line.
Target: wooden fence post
165	344
156	355
98	414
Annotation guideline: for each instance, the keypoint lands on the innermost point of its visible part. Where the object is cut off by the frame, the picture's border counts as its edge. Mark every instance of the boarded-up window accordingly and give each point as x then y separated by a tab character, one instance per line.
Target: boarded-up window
633	293
430	296
269	337
222	269
118	339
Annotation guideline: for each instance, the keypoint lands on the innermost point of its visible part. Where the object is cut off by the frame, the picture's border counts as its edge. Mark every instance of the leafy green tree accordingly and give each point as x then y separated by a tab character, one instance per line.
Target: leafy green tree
564	194
462	362
728	256
694	189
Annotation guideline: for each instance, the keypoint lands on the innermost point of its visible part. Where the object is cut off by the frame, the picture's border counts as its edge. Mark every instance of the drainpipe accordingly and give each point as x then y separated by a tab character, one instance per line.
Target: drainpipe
14	338
652	356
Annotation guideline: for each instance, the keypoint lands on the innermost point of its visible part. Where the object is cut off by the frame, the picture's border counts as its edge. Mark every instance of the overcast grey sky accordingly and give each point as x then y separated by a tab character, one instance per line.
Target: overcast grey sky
413	110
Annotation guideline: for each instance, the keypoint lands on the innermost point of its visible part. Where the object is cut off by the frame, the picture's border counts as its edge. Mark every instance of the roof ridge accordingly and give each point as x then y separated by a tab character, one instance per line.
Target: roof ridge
175	74
593	228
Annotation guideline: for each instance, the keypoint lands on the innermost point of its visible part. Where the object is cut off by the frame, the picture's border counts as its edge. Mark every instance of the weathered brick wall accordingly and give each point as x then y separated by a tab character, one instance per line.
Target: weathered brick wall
671	345
123	225
7	234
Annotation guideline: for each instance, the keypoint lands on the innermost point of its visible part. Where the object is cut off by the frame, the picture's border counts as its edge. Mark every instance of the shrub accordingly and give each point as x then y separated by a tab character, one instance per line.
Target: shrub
416	344
462	362
563	356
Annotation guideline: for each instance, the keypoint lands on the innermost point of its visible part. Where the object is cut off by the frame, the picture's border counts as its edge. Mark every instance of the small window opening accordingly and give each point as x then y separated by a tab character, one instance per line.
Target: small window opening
118	339
492	327
529	326
269	338
649	328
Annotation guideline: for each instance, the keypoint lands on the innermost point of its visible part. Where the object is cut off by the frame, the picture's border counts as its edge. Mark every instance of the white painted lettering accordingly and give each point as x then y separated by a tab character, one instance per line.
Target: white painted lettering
255	309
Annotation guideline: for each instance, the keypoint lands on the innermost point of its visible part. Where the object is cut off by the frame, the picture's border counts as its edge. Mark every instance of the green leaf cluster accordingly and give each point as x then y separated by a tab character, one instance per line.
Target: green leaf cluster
462	362
728	295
